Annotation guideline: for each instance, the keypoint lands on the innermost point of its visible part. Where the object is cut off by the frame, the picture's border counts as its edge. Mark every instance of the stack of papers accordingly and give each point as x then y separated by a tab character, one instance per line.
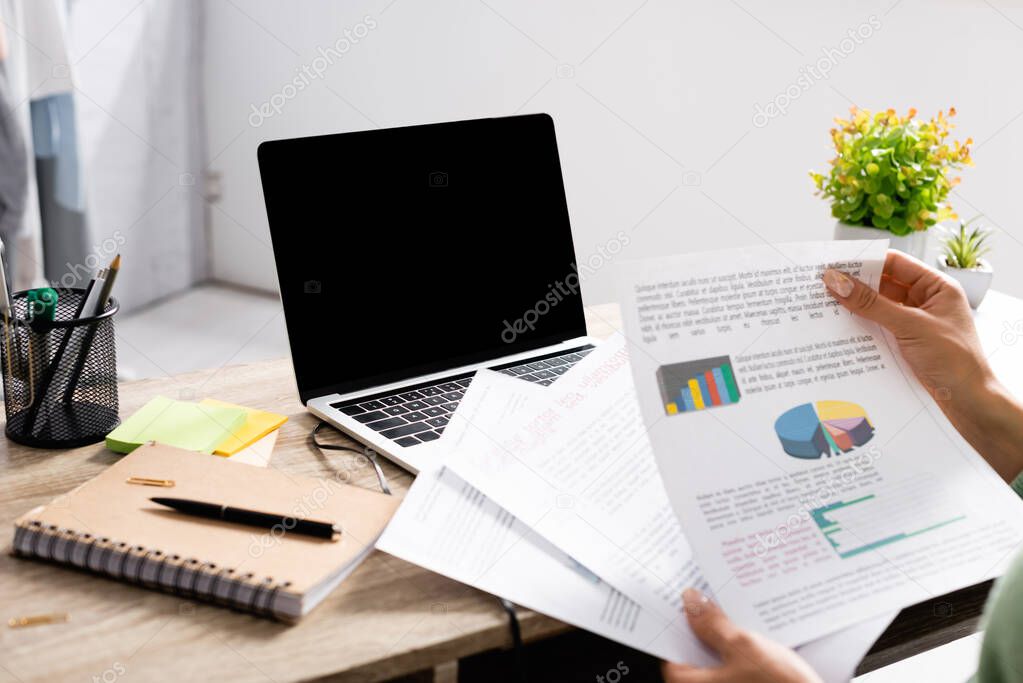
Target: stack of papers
210	426
558	498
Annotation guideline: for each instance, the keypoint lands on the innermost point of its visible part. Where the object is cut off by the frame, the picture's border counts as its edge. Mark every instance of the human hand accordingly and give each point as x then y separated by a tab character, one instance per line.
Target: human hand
747	657
929	316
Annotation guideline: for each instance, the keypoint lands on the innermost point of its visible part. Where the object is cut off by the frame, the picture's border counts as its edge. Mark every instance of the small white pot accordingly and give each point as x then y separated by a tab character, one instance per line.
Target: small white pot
914	244
975	281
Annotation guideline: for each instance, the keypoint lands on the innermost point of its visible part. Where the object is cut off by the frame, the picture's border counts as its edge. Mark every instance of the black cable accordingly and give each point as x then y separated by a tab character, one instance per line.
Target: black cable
516	634
367	452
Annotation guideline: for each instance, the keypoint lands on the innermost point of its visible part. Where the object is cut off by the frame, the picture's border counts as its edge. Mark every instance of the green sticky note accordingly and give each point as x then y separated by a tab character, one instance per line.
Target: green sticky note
190	426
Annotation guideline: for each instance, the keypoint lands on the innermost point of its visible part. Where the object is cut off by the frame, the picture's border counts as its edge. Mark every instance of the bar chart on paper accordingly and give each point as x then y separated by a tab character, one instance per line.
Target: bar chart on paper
823	428
892	514
697	385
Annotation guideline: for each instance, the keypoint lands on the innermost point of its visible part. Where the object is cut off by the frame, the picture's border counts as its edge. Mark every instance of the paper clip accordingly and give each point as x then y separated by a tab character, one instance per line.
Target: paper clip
39	619
146	481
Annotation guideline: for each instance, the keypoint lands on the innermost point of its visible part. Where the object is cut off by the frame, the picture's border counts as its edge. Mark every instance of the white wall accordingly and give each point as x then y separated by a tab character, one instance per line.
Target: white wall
654	104
135	66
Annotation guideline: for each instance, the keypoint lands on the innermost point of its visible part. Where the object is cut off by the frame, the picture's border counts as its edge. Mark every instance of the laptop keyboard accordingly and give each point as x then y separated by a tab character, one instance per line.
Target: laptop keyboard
418	414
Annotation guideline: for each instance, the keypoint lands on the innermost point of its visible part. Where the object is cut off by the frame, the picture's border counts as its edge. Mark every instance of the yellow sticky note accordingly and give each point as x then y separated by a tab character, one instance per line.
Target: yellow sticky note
257	424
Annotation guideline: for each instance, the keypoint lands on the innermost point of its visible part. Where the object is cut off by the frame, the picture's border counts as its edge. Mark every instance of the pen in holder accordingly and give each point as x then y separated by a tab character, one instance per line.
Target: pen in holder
60	376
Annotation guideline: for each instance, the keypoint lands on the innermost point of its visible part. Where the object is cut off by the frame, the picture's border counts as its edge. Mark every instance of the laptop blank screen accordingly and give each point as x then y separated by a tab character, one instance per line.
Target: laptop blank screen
407	251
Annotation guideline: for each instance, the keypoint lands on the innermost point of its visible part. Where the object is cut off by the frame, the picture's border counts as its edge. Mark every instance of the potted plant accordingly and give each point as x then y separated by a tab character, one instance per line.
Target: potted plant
891	176
961	258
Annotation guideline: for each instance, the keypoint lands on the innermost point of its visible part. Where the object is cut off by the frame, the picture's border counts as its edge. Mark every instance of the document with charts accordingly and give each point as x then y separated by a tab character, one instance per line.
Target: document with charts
815	481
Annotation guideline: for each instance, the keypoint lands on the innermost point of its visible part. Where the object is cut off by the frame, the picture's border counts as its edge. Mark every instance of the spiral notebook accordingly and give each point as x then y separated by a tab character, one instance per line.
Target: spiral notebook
110	527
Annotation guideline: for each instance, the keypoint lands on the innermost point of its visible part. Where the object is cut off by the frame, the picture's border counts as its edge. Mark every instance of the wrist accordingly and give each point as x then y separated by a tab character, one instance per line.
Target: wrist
991	420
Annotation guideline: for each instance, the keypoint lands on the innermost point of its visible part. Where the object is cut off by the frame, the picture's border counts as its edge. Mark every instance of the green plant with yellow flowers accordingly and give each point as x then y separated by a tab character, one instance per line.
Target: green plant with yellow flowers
892	172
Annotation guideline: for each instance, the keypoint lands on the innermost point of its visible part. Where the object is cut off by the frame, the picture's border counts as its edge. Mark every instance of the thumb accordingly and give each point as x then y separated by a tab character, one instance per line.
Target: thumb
709	623
863	300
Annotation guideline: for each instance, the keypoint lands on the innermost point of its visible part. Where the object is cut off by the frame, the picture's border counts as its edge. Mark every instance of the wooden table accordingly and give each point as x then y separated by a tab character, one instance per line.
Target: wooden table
390	618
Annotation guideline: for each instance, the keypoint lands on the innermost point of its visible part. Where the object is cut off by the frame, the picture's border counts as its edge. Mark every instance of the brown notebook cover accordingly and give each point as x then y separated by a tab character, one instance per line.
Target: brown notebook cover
111	527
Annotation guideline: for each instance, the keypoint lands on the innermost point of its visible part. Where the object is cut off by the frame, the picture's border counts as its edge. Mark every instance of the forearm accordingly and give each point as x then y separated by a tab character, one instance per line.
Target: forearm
990	418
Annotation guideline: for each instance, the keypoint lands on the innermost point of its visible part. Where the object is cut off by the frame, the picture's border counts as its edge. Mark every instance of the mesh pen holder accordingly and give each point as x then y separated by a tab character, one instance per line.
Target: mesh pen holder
60	377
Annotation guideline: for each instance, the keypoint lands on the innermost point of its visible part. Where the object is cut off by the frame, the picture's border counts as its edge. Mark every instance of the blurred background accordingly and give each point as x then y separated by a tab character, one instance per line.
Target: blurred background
682	126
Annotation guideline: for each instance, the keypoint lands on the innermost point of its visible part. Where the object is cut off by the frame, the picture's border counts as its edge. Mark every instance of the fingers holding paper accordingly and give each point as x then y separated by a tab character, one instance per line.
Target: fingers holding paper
929	316
882	306
904	280
745	656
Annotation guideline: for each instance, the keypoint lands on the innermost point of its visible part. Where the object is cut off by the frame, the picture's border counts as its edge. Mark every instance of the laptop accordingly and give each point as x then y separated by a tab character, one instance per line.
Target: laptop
409	258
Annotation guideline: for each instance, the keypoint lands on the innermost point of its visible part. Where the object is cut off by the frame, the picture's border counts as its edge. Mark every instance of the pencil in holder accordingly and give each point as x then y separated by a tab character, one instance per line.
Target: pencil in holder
59	376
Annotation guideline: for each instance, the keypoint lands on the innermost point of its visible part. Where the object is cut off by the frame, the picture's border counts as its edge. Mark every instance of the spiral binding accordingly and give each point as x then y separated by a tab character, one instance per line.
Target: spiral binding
44	541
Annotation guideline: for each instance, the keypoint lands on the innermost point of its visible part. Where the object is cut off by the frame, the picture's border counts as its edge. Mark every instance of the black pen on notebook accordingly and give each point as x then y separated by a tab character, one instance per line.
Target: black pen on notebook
266	520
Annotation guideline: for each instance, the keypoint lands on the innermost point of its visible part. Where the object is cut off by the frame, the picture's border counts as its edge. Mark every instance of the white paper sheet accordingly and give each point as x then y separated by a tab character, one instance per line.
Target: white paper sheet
259	452
448	527
805	516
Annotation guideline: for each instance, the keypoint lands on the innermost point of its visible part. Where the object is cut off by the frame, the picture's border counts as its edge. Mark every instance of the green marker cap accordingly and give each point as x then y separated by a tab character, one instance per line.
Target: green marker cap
42	304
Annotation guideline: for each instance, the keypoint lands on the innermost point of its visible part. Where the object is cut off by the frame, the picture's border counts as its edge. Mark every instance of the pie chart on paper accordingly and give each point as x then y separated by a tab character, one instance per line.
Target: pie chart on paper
823	429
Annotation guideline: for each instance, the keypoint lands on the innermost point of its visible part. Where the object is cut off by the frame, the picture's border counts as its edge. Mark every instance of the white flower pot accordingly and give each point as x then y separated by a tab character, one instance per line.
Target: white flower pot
914	244
975	281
